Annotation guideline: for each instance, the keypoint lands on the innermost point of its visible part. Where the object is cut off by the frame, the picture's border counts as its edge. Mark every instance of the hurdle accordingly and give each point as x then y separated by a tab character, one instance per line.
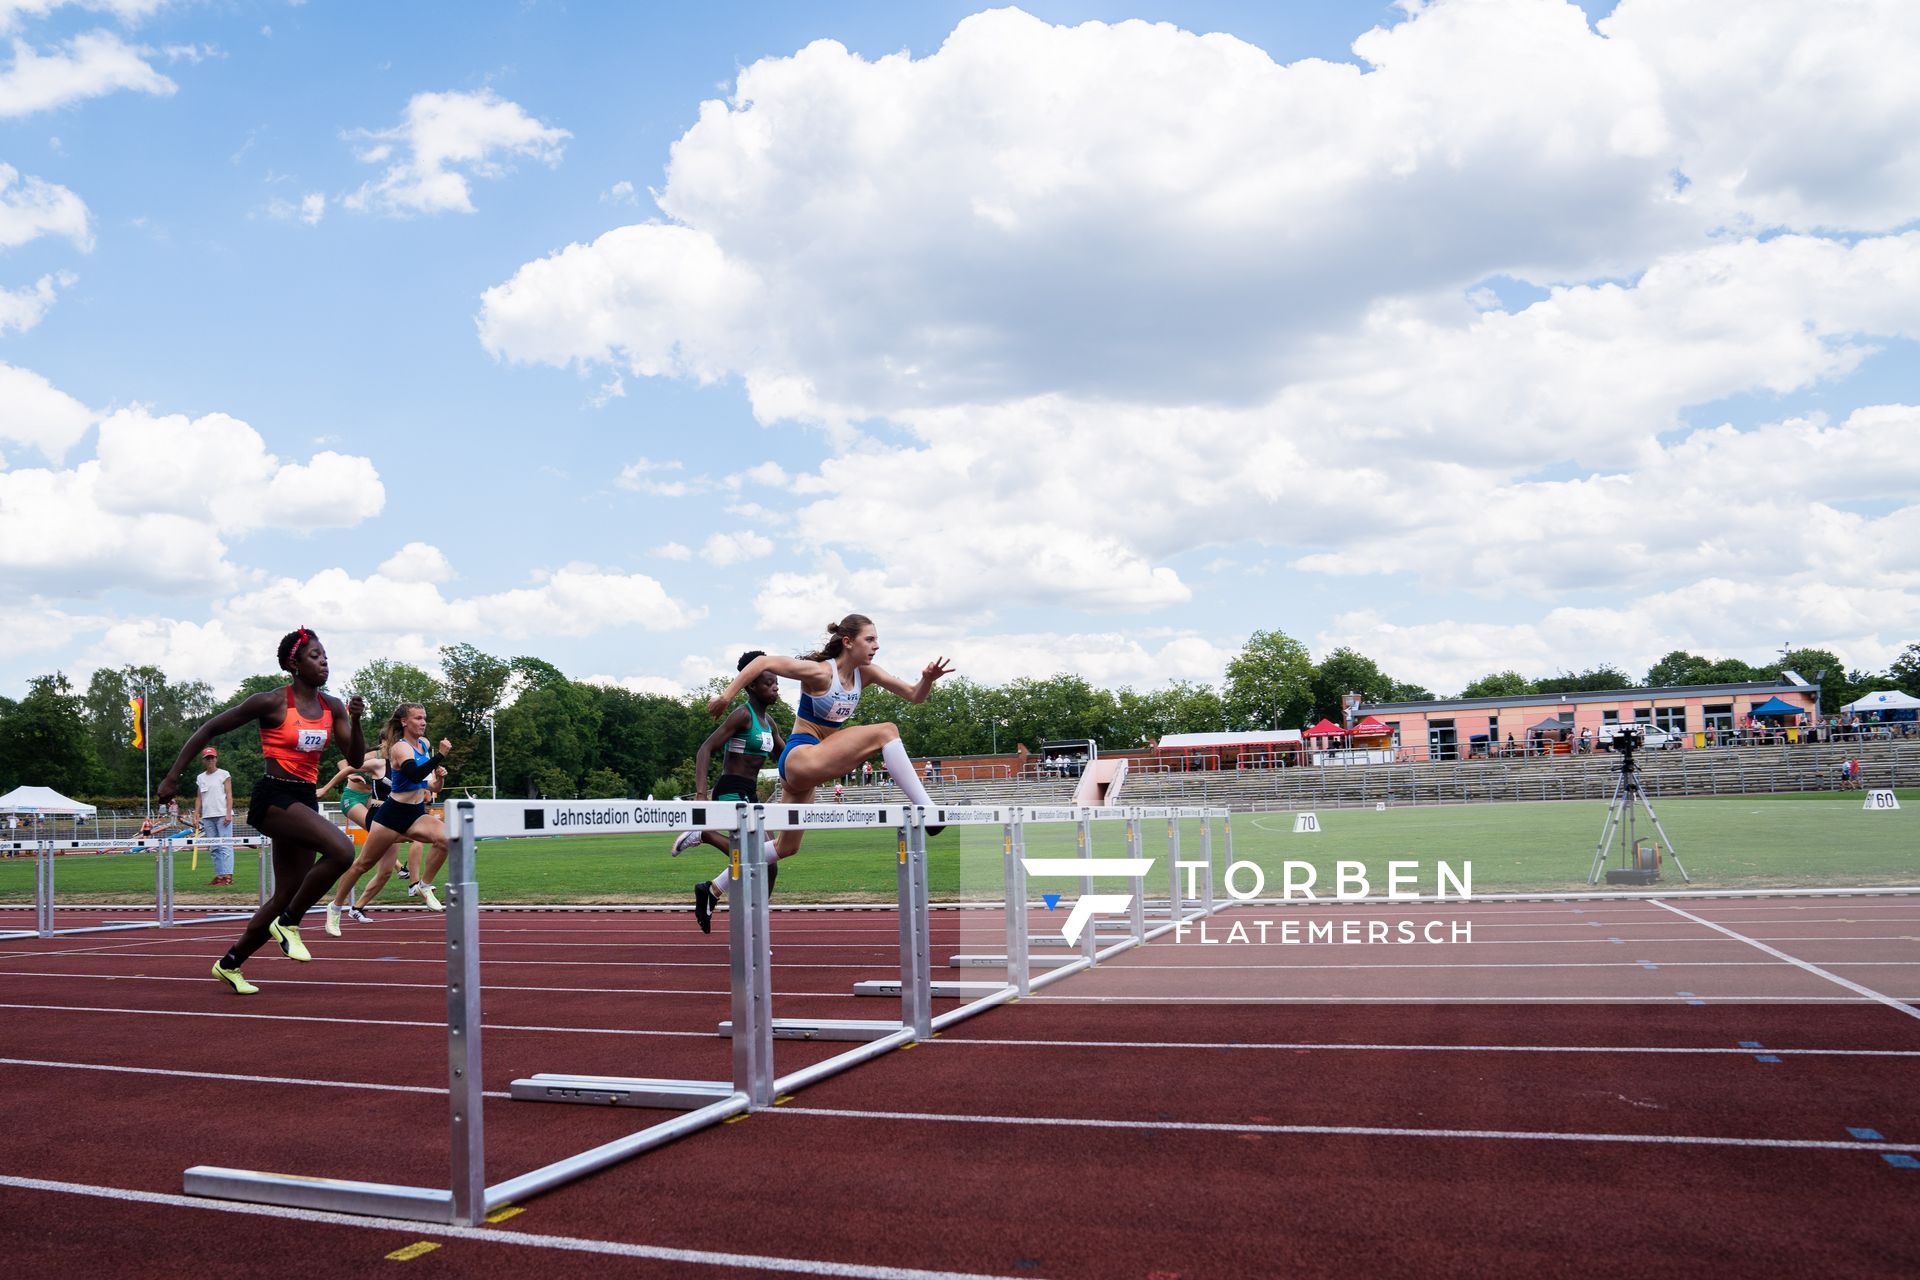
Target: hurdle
45	851
753	1086
468	1198
1118	936
915	987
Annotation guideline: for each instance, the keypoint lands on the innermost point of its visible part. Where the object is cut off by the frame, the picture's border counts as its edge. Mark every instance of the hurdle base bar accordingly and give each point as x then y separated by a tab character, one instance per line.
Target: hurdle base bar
941	990
982	961
339	1195
622	1091
825	1028
607	1154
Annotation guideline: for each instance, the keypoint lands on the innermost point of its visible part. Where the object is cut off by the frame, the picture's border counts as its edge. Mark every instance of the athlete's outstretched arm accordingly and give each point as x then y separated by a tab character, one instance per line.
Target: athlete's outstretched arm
871	674
226	722
347	737
346	769
703	758
801	669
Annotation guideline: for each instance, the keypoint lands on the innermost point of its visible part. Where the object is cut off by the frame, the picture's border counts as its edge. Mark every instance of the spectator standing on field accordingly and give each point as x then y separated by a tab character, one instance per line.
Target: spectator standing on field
213	813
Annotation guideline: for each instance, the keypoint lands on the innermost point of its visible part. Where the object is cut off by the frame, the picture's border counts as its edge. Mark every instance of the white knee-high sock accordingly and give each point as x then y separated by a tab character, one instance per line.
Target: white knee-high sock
721	881
900	766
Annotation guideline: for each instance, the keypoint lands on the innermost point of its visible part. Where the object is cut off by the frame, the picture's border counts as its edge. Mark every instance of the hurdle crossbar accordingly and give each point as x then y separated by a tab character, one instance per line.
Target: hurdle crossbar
45	851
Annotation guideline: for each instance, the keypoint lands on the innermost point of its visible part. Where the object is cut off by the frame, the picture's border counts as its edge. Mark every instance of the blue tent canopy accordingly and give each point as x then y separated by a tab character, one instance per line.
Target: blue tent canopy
1778	707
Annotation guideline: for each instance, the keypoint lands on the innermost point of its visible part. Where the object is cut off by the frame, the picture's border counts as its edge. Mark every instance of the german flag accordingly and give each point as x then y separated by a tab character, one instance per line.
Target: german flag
137	708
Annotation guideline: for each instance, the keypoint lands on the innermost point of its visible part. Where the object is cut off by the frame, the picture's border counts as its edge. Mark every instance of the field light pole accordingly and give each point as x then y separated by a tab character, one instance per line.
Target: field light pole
493	765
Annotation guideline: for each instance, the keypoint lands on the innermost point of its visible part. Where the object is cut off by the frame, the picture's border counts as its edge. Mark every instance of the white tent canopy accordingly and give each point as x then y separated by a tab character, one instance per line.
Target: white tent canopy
1886	700
43	800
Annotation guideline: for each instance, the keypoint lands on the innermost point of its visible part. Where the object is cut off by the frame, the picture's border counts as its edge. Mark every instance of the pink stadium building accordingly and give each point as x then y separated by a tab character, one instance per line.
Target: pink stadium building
1690	716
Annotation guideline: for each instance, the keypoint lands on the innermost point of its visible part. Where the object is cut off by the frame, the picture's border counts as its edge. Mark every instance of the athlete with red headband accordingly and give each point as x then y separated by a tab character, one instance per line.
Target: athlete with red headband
297	723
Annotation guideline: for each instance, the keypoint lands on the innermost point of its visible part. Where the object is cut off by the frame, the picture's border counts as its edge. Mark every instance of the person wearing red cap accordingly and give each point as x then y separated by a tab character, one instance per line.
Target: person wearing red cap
213	813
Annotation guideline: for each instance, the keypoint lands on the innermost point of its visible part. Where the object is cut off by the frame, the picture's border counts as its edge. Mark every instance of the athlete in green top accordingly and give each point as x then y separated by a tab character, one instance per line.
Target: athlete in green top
752	738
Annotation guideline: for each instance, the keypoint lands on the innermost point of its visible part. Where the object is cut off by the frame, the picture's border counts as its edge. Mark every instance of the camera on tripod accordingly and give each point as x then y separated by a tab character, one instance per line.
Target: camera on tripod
1640	860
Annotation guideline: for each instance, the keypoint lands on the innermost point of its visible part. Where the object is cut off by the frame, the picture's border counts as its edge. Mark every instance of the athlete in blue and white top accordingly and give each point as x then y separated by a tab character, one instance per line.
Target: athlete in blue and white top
823	746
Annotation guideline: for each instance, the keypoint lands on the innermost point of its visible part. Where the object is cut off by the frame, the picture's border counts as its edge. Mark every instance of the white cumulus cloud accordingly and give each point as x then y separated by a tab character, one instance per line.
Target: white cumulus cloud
33	207
22	309
731	548
157	504
443	142
90	65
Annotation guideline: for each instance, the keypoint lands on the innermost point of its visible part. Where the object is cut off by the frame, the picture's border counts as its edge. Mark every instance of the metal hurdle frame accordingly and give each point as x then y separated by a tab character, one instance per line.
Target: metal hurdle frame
1019	959
469	1199
46	850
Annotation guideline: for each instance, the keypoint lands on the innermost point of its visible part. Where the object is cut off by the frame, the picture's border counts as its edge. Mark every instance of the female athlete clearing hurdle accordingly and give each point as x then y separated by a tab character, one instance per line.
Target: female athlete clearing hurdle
823	747
410	772
751	737
309	853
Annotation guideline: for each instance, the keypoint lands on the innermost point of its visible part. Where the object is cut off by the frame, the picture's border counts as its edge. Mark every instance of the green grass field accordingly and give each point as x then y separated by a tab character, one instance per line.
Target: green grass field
1785	841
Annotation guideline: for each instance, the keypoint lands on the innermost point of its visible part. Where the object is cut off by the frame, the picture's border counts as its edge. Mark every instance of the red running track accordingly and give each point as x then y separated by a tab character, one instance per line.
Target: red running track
1544	1100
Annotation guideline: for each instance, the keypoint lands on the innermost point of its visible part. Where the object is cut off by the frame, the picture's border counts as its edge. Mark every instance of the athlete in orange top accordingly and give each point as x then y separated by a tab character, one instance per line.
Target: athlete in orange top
297	723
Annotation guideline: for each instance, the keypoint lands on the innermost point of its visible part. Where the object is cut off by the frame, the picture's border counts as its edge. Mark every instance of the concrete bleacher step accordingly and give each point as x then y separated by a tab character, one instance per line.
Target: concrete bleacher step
1692	771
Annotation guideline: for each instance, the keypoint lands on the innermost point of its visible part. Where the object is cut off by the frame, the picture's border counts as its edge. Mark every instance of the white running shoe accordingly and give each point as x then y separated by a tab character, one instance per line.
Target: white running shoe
333	920
687	840
433	903
358	916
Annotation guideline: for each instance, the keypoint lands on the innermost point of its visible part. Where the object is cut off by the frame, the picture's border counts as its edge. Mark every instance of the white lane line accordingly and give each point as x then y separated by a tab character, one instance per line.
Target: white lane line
1045	997
424	986
333	957
441	1025
1545	964
102	950
496	1236
1795	961
1171	967
221	1075
1427	1048
1357	1131
1570	940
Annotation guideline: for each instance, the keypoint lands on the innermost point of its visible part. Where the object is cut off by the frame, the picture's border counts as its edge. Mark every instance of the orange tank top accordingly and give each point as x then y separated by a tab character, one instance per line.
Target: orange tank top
295	743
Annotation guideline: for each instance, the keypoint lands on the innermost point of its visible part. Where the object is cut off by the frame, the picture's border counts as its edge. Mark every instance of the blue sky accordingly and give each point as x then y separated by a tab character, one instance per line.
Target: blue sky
1052	339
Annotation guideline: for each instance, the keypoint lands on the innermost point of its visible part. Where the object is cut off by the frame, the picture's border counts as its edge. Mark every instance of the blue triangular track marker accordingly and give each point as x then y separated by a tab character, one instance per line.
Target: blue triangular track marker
1051	899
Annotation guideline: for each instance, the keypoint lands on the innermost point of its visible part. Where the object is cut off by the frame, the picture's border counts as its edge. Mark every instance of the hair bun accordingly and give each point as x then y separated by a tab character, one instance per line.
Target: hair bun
833	628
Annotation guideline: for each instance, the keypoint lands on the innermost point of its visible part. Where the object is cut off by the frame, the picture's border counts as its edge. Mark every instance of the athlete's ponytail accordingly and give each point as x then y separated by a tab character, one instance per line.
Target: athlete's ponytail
838	633
396	726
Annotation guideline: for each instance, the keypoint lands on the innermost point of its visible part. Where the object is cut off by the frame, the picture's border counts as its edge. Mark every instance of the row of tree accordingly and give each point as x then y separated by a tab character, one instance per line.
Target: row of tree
525	724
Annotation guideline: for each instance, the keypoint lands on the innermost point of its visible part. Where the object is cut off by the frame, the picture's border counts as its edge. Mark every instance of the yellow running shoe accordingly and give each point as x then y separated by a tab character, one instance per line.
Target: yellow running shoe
333	920
288	936
241	987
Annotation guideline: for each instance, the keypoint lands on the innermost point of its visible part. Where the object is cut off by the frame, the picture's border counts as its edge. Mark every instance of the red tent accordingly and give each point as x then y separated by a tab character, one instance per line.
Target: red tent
1326	729
1371	727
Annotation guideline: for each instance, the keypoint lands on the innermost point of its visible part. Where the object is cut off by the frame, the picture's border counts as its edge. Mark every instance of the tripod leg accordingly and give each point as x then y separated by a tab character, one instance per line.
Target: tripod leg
1614	807
1671	851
